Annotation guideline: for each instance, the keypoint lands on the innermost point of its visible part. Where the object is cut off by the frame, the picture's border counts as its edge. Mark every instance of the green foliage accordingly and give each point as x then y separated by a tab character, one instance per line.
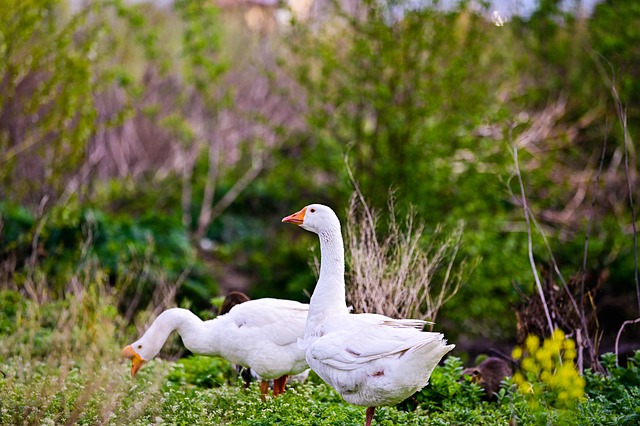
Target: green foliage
202	371
201	41
422	102
53	67
78	379
428	104
446	389
136	255
404	98
615	35
10	305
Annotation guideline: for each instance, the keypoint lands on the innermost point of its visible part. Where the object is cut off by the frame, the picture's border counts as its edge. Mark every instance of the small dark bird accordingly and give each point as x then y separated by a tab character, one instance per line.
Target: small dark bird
232	299
488	375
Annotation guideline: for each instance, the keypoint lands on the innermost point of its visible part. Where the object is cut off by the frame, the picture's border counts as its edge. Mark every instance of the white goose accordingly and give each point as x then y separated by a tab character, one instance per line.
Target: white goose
369	359
259	334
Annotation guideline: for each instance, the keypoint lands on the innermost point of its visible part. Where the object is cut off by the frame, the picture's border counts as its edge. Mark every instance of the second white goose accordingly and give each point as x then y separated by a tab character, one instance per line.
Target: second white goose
260	334
370	359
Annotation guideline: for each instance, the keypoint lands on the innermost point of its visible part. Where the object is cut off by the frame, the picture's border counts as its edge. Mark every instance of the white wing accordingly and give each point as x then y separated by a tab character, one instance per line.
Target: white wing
352	341
281	321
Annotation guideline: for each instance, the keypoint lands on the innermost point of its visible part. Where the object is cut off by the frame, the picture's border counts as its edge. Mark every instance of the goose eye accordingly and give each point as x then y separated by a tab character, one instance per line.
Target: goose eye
313	210
139	346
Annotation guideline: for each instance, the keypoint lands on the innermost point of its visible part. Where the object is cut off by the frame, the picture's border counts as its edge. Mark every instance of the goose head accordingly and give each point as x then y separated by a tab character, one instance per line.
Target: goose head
141	351
315	218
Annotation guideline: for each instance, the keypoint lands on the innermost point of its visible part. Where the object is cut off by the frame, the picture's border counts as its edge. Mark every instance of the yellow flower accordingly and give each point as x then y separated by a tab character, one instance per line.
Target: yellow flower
532	342
517	352
547	368
568	345
518	378
553	346
543	355
576	392
567	371
529	364
569	355
558	335
525	387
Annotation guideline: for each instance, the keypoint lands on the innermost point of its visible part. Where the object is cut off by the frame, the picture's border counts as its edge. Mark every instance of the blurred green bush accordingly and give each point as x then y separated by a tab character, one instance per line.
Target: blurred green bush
426	103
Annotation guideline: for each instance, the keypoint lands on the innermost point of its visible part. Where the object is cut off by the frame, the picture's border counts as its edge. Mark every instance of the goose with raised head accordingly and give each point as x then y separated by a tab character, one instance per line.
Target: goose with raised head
260	334
370	359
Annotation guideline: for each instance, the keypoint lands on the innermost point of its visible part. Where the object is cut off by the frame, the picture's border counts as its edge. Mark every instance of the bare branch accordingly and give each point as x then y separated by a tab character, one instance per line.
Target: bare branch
186	196
596	182
622	116
204	220
74	184
579	312
529	237
358	192
624	324
240	185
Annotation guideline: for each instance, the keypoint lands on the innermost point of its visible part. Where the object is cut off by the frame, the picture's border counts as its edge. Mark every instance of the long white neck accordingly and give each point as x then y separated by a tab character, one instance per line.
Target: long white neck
329	295
200	337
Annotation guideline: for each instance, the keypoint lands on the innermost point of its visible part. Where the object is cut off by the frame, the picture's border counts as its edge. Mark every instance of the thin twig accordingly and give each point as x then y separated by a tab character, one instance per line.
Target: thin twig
204	220
624	324
622	116
596	183
580	313
356	188
240	185
41	221
529	236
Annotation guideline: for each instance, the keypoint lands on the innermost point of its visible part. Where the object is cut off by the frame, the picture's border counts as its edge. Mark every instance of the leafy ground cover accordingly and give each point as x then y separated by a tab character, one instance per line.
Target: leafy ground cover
40	393
59	363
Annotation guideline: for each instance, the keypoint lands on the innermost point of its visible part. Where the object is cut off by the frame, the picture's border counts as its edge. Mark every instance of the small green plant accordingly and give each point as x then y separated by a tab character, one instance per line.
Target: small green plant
203	371
548	372
445	389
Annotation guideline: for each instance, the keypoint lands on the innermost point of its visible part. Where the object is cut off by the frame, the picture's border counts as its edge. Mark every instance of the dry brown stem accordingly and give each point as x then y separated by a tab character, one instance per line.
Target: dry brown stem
624	324
395	275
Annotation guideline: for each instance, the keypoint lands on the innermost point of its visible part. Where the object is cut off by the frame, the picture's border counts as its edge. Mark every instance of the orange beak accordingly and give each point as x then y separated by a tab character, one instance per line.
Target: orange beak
296	218
136	360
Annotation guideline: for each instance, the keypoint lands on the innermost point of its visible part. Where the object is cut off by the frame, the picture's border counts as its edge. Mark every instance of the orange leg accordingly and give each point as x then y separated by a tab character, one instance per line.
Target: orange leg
279	385
264	389
369	418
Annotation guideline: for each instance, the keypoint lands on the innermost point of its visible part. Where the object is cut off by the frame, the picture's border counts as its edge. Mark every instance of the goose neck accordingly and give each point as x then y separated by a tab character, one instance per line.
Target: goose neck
329	293
190	328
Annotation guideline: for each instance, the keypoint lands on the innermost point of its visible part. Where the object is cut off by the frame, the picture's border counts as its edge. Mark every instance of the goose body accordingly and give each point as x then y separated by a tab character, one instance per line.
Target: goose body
259	334
369	359
248	375
374	361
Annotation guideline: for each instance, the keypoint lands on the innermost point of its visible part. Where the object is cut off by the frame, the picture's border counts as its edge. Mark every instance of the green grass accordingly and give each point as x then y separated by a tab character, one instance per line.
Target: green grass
60	364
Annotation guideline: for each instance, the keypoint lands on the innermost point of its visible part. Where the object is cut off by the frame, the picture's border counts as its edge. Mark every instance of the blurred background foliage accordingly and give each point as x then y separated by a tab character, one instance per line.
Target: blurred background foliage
165	143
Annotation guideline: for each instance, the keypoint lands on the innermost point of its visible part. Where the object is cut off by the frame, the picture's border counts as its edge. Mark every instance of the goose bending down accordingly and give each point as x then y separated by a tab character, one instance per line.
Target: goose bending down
259	334
370	359
248	375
